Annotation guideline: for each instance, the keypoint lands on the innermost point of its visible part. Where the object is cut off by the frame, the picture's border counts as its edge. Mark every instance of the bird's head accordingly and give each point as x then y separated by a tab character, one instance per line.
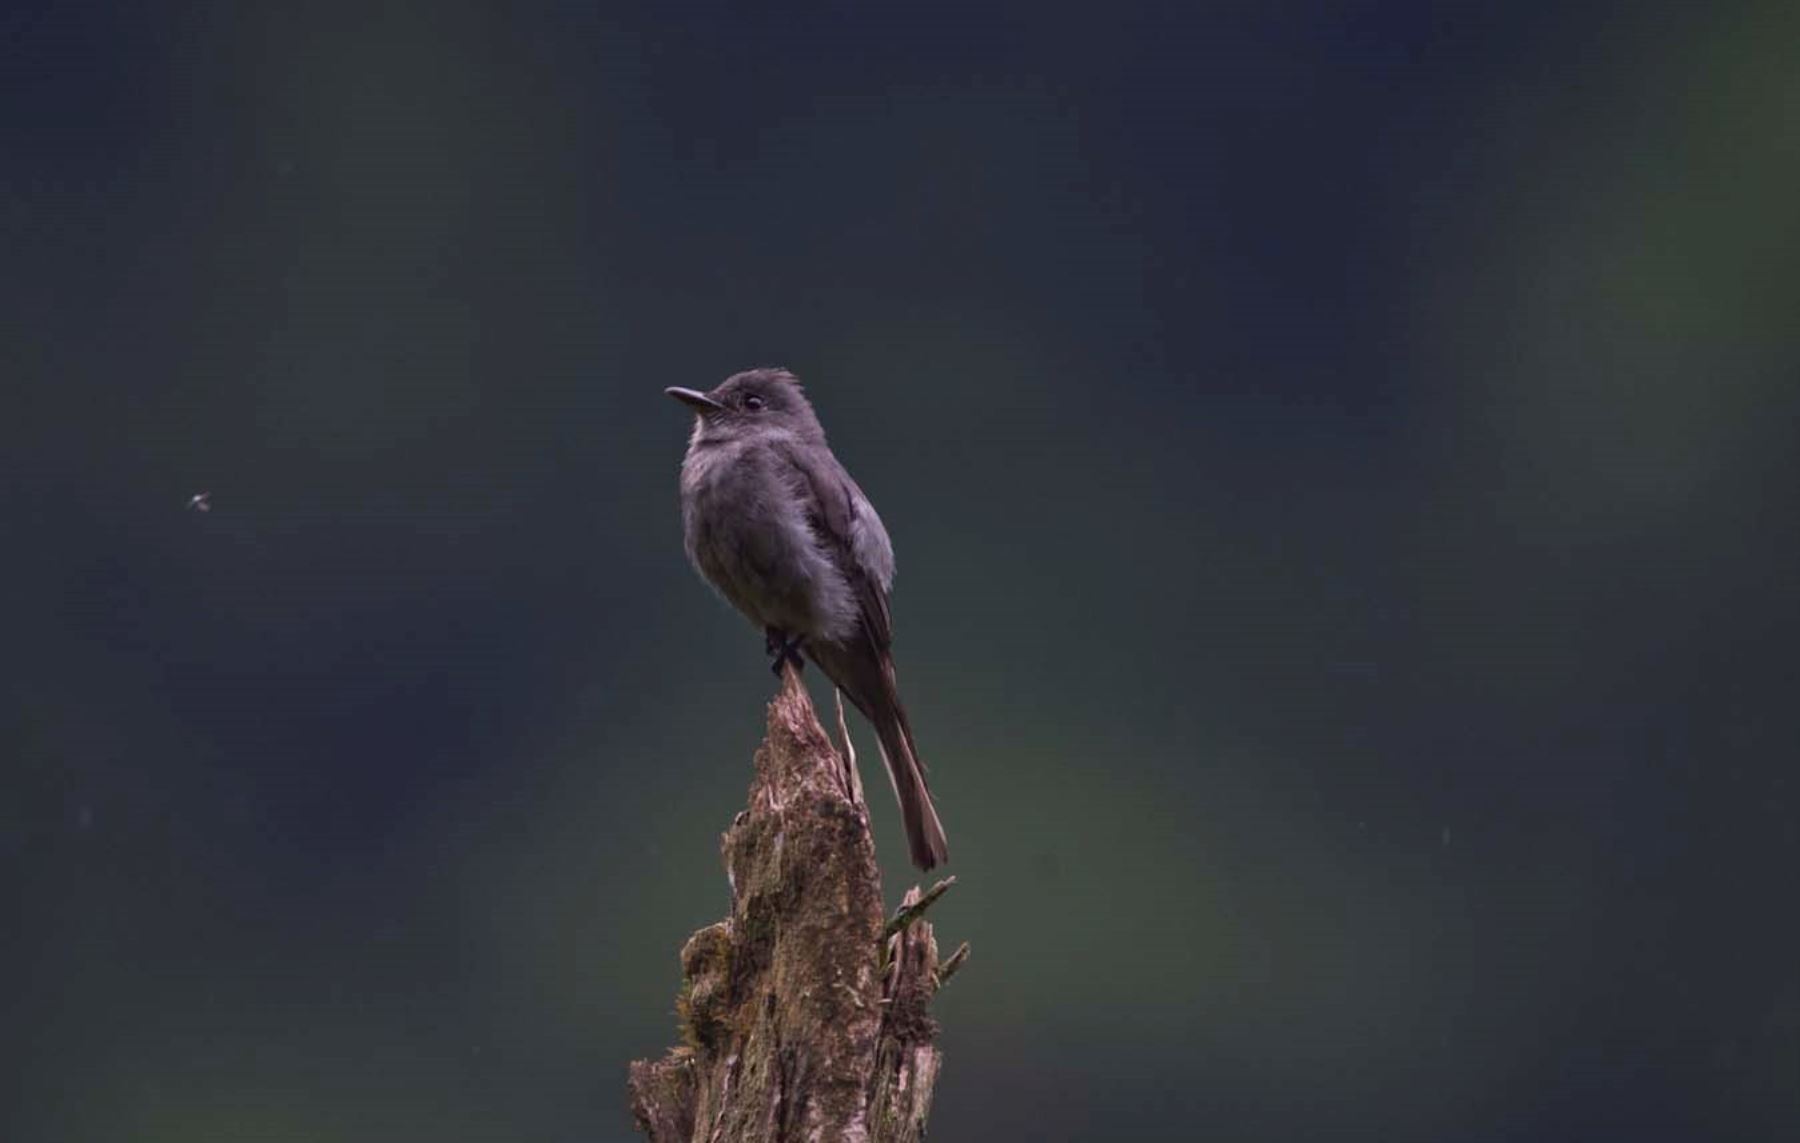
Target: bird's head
757	402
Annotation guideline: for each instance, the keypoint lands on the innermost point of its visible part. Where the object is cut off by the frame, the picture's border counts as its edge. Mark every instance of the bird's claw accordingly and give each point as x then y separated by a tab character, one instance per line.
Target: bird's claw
783	650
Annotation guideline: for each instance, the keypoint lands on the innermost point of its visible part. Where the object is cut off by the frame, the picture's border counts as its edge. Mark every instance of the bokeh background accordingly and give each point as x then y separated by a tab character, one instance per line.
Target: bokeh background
1340	462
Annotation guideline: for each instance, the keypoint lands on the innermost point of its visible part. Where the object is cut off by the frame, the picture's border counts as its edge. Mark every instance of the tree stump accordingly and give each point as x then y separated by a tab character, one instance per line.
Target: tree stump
804	1015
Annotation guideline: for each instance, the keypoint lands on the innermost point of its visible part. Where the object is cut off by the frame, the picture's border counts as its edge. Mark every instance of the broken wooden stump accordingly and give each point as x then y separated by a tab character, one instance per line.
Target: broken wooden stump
805	1014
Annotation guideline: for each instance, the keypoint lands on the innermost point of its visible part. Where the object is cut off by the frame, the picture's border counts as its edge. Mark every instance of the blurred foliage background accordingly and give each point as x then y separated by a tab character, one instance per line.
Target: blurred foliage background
1341	463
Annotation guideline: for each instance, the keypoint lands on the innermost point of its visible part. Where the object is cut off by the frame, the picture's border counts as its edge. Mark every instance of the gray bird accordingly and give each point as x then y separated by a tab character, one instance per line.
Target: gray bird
772	520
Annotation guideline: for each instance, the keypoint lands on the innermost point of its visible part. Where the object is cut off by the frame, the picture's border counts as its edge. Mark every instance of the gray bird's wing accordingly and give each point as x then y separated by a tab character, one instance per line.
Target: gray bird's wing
844	520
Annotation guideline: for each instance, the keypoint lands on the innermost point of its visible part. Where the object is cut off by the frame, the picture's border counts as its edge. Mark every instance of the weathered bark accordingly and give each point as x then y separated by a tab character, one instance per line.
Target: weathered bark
801	1019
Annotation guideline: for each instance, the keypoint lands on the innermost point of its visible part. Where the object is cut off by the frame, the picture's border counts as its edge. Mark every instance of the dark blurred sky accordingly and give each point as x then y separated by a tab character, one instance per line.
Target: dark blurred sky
1339	458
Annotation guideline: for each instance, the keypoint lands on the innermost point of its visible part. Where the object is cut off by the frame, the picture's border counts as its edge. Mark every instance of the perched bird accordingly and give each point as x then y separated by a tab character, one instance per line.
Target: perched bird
772	520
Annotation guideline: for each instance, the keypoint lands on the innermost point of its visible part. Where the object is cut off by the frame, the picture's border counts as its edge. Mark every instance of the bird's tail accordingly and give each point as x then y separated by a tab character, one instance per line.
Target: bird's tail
866	677
924	832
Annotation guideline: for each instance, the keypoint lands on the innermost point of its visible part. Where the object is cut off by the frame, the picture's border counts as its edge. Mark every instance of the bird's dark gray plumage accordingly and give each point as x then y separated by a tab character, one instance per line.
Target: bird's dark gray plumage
772	520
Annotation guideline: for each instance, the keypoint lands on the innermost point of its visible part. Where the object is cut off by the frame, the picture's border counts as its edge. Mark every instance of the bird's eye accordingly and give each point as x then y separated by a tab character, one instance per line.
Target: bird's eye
753	402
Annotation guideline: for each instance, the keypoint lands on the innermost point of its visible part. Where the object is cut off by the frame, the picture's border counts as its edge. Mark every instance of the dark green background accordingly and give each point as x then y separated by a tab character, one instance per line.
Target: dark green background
1339	462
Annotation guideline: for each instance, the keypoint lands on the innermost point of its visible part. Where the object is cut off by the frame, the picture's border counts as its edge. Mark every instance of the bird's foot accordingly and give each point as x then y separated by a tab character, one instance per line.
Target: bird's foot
783	649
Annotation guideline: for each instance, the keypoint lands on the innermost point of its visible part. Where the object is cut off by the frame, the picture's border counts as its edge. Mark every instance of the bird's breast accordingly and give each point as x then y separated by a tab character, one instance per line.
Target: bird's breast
746	530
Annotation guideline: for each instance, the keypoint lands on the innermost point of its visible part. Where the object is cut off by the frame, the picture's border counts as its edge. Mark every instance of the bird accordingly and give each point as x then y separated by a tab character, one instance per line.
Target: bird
775	524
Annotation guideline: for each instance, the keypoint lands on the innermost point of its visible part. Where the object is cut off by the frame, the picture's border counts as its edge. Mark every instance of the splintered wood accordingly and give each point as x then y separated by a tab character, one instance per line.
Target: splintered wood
805	1015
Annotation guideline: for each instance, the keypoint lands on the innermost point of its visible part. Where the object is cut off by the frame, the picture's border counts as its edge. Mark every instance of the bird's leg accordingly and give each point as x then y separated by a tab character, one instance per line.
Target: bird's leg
782	649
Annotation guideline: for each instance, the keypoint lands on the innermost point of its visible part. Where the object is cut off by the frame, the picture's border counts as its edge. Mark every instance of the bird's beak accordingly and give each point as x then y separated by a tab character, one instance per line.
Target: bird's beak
699	401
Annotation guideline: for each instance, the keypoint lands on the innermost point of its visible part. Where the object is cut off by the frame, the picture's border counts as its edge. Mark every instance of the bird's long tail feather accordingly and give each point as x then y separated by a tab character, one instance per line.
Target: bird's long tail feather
866	677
